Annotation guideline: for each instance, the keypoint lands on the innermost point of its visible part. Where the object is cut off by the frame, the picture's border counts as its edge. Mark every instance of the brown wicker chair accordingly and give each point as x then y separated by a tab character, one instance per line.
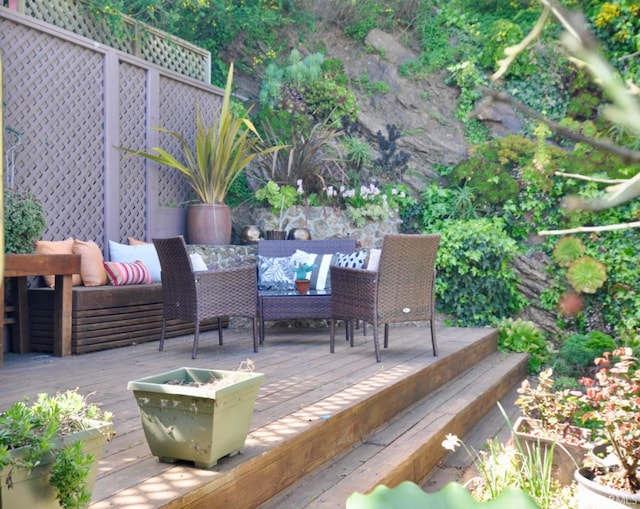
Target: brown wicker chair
401	290
197	296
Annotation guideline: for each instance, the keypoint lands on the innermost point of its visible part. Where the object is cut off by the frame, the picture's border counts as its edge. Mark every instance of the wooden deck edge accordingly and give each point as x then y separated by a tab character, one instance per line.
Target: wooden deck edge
259	478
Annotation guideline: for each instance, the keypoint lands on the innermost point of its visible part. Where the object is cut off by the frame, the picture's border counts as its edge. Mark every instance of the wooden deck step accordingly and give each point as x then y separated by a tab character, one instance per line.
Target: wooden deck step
409	445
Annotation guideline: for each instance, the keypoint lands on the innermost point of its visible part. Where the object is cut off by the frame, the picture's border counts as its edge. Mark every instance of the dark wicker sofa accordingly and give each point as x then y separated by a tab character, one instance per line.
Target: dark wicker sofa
289	305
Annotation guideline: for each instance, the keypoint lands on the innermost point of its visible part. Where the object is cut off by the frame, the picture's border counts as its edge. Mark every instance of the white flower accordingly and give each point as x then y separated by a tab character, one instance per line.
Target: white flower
403	194
300	190
451	442
394	191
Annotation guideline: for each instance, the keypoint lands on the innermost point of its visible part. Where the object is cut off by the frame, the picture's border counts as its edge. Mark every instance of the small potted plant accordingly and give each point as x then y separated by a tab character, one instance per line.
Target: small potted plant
198	415
302	280
613	401
549	419
220	153
49	451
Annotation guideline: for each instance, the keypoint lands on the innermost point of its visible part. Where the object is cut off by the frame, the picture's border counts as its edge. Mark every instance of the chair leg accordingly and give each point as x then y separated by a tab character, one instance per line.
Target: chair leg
164	329
376	343
332	335
351	332
196	337
386	335
433	338
220	331
255	334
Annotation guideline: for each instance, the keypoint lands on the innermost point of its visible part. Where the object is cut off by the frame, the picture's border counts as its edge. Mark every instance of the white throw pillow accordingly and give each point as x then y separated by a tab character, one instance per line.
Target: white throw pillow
374	259
197	262
146	253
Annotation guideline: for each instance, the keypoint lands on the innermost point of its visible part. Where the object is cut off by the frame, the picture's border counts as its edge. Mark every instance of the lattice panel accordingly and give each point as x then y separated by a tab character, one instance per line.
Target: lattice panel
53	92
155	45
132	170
177	107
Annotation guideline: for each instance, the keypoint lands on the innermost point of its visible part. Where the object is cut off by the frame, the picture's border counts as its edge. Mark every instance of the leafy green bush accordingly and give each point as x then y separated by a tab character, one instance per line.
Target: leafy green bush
24	221
475	284
578	352
518	335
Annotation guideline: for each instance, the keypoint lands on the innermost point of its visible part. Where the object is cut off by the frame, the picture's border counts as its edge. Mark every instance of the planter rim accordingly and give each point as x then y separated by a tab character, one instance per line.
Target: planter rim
580	476
157	383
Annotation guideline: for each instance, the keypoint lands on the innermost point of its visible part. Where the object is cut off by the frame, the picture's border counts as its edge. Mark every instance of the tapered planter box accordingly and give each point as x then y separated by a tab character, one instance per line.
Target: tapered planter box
197	415
568	454
31	489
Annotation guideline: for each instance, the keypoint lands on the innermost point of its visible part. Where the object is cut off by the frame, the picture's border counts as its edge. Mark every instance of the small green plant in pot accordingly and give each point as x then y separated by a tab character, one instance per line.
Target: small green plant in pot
302	280
613	401
49	449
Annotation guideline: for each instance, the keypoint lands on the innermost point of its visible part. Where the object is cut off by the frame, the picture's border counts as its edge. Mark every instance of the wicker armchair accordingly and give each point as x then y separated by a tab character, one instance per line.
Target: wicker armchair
401	290
197	296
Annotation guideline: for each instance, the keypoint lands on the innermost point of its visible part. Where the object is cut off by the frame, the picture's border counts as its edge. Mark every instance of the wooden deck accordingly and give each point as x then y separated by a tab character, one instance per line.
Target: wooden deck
306	389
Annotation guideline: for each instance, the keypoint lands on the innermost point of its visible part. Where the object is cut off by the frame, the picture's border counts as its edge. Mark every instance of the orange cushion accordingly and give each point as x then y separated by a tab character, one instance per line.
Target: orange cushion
135	242
91	268
57	247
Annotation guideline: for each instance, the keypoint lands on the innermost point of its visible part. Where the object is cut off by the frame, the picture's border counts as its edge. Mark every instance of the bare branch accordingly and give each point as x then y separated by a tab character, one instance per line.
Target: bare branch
590	229
627	155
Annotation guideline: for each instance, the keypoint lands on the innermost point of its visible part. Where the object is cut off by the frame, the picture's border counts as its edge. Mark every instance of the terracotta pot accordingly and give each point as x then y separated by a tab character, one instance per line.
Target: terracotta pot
209	223
303	286
592	495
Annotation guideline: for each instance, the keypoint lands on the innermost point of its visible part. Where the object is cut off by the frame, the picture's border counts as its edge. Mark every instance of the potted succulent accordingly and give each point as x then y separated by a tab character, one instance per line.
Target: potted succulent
49	451
221	153
198	415
613	401
302	280
549	420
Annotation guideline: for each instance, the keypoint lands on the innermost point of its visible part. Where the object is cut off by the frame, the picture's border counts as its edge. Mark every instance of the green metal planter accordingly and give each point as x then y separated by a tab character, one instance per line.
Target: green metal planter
198	415
23	488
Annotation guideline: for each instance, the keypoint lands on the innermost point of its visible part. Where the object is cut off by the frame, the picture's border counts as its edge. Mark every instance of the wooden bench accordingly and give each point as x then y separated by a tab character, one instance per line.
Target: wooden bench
106	317
289	305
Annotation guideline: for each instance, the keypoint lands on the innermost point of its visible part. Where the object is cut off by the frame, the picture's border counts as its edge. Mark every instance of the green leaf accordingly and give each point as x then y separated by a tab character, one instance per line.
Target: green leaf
408	495
567	250
587	274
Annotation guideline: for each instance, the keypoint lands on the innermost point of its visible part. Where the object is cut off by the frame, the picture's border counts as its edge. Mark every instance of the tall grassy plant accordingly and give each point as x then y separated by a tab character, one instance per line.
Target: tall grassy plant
221	151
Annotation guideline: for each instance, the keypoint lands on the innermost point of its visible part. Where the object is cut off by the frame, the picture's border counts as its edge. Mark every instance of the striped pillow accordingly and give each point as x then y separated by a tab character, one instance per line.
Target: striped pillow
123	273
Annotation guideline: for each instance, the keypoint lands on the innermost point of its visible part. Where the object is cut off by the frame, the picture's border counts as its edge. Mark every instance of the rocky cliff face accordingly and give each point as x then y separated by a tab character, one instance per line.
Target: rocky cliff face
423	110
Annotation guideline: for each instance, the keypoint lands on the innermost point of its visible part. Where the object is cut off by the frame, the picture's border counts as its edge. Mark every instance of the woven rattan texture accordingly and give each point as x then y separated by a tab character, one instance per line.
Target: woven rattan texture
286	307
135	38
202	295
402	290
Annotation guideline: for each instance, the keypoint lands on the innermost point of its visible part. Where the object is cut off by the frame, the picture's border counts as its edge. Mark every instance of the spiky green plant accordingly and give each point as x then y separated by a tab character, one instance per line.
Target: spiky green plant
221	152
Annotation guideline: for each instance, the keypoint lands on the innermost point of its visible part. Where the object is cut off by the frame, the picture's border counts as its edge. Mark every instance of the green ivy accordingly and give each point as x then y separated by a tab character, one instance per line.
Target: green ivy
476	285
518	335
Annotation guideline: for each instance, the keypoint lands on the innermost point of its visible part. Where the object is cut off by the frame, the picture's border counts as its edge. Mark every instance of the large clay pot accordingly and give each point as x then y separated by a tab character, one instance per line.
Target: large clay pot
209	223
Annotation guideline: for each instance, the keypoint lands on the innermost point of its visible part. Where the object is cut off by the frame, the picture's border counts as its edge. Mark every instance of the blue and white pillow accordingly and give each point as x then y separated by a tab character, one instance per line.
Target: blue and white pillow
353	261
275	273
